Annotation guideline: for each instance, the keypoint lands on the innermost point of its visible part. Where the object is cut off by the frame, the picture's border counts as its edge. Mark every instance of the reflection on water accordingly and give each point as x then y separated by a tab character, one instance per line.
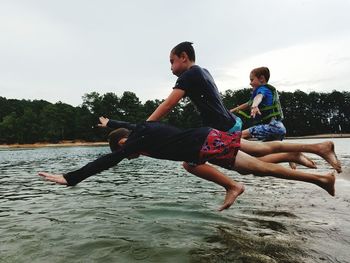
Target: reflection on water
149	210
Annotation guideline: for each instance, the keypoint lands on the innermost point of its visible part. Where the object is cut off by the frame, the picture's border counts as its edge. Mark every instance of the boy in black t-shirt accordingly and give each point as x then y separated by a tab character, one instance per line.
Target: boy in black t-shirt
198	85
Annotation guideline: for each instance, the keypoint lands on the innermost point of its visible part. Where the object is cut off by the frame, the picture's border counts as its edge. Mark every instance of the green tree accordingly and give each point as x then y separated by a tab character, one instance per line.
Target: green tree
57	120
149	107
131	107
28	129
111	106
188	115
25	121
232	99
93	101
8	128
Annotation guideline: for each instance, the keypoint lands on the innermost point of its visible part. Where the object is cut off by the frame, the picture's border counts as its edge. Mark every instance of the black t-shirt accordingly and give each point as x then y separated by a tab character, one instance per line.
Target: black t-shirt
200	87
153	139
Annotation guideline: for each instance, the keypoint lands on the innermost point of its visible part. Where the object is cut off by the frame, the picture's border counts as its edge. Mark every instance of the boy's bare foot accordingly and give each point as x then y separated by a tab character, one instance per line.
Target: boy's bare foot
57	178
327	183
231	195
327	153
293	165
302	159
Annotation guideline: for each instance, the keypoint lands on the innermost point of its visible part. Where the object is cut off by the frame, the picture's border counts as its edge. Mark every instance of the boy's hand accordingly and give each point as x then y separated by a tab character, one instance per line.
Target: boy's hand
103	122
254	110
56	178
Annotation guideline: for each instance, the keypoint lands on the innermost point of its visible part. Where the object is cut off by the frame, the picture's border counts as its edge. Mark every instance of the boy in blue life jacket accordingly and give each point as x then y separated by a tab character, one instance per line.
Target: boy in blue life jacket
265	109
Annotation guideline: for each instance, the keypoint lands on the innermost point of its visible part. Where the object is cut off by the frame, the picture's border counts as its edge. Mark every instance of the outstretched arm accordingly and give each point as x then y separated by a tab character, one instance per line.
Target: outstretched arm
166	106
240	107
254	108
72	178
105	122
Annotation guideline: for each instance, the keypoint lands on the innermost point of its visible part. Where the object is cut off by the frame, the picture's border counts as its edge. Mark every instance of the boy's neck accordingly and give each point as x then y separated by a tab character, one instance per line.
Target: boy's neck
190	64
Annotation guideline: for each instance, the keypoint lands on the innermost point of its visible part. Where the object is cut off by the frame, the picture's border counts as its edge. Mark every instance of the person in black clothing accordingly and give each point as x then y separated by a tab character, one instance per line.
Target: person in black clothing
198	85
197	146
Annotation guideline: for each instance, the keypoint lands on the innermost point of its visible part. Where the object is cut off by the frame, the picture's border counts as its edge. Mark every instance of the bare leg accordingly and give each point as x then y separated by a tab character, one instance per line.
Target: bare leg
207	172
324	149
294	157
57	178
246	135
246	164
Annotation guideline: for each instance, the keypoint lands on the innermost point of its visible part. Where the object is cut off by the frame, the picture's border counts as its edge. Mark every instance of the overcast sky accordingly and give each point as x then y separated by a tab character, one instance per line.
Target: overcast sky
61	50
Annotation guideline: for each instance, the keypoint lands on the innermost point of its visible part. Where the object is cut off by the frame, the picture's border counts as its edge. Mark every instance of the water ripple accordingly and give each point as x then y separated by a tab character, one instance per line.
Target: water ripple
150	210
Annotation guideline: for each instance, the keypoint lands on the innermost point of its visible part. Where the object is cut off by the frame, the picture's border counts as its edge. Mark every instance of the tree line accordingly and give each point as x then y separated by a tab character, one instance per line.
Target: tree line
26	121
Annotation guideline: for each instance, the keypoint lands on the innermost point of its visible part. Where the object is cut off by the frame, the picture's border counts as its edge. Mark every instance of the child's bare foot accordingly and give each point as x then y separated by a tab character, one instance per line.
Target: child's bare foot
57	178
327	153
302	159
327	183
231	195
293	165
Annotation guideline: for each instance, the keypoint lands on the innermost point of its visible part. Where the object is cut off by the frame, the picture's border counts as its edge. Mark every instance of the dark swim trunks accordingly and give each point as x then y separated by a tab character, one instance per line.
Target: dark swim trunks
220	148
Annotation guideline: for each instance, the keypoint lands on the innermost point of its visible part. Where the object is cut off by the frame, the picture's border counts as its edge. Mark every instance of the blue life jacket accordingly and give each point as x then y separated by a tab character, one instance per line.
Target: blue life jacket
267	112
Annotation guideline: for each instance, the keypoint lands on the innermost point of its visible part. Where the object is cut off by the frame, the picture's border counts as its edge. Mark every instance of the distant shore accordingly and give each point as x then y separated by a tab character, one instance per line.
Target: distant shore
59	144
84	143
320	136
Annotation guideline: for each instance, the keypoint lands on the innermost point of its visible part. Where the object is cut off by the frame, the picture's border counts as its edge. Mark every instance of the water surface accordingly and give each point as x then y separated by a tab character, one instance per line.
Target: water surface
148	210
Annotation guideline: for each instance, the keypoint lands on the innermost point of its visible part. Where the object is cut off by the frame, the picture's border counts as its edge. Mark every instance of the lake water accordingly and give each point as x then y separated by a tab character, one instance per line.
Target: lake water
148	210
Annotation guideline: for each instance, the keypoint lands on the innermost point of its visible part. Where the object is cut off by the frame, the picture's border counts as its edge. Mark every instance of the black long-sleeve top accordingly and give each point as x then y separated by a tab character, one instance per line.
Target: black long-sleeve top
154	139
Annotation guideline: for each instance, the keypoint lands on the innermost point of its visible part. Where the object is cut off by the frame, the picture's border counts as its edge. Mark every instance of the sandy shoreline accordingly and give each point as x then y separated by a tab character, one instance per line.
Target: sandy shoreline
83	143
59	144
320	136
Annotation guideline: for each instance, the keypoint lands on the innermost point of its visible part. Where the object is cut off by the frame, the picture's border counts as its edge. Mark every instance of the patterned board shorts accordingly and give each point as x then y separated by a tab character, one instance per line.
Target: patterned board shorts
220	148
273	131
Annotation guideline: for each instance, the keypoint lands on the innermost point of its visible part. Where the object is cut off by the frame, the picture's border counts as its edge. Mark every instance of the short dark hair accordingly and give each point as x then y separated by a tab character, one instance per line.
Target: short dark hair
262	71
185	47
115	136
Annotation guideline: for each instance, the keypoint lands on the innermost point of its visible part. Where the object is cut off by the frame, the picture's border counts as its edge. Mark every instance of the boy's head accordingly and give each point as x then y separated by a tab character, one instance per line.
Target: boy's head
185	47
115	137
262	73
182	57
